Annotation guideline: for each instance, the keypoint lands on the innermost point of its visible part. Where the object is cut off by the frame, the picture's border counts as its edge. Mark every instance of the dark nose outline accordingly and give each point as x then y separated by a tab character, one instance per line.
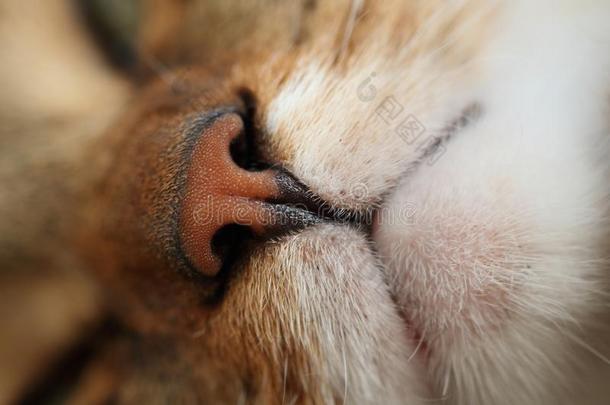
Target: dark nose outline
218	193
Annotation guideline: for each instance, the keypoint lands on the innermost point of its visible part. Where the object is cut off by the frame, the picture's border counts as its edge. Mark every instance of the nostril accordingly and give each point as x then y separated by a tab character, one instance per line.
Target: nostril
240	152
229	240
243	148
244	153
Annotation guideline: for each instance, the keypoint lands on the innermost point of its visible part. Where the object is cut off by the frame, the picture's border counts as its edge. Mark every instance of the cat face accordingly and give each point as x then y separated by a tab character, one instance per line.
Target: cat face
454	159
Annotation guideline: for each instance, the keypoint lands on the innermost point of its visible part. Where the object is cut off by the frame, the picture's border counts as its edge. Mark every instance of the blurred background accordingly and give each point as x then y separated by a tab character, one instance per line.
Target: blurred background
68	68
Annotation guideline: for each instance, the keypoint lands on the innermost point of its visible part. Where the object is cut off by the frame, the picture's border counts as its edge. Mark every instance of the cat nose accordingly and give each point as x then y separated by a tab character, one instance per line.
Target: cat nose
224	203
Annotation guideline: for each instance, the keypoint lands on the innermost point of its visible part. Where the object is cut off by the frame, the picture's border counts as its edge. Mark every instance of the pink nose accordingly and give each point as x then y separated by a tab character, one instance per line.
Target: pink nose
219	193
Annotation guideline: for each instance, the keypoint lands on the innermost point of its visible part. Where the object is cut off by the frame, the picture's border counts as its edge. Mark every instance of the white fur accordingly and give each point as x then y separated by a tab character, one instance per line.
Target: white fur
503	265
344	318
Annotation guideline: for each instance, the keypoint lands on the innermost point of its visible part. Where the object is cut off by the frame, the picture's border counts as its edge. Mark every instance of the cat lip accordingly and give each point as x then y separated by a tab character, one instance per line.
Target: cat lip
295	194
300	196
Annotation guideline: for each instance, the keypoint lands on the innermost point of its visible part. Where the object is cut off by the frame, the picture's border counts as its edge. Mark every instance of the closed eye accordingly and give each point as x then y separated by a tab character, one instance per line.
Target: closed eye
434	148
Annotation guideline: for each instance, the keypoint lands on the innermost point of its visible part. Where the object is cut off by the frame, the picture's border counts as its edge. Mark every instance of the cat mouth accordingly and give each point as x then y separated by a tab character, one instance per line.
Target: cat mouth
296	199
367	223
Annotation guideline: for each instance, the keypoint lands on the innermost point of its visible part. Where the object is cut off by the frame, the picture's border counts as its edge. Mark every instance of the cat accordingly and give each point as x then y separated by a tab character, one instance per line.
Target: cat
438	171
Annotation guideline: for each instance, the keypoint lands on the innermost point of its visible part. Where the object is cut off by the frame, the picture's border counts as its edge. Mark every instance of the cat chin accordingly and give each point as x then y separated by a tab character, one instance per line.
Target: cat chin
334	308
505	268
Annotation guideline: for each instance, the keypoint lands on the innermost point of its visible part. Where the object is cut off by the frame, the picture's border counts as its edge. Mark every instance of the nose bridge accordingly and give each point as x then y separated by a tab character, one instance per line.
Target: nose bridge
219	193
